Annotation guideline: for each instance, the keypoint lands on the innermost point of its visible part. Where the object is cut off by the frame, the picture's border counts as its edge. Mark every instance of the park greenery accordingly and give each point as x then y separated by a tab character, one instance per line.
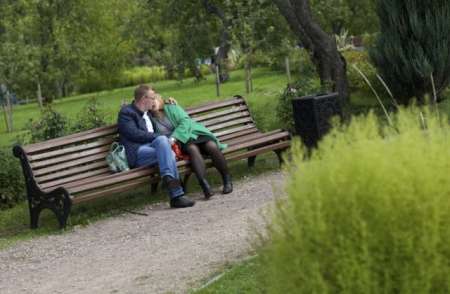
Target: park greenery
368	211
365	212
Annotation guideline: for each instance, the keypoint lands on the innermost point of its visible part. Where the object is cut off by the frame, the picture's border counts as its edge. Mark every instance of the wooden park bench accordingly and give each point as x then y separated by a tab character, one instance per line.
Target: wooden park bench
72	169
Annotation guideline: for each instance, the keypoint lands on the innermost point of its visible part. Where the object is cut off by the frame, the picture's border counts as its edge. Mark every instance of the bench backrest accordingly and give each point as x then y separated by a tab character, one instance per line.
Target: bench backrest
82	155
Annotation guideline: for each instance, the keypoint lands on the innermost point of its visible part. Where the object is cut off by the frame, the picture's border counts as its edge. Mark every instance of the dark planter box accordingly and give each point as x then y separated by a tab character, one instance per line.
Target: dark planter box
312	116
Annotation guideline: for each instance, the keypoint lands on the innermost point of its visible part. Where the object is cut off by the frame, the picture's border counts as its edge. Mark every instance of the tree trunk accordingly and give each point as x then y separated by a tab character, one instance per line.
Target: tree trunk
225	44
39	95
216	67
329	63
288	69
7	109
247	77
250	76
5	112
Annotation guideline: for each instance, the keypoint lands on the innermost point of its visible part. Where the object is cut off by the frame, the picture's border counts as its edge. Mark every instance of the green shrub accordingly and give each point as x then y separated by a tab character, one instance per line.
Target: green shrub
355	80
50	125
369	212
12	186
90	117
369	39
299	63
204	70
284	110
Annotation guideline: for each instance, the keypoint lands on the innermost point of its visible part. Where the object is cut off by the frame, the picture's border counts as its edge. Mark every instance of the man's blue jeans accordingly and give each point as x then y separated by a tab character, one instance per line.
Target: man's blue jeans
160	152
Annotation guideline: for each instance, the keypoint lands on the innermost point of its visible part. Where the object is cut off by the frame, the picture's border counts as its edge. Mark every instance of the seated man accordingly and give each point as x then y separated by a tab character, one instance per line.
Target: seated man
144	147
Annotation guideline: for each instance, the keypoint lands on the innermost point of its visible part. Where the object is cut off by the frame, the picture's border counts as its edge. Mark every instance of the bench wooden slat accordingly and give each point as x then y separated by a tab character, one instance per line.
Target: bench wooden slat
90	174
223	119
251	137
228	137
275	146
66	140
234	130
230	123
214	105
72	171
65	165
114	189
110	180
118	177
133	173
70	157
72	149
256	142
215	114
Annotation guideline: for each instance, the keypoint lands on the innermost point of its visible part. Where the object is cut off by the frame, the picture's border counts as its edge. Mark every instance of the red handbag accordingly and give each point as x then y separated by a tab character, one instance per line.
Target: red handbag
179	155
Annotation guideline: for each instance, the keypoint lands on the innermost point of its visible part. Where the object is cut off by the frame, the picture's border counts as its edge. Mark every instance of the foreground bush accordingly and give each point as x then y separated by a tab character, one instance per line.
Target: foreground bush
12	186
368	213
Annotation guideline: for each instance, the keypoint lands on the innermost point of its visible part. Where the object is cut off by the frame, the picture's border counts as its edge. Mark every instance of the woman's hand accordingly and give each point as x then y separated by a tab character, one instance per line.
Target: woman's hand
170	100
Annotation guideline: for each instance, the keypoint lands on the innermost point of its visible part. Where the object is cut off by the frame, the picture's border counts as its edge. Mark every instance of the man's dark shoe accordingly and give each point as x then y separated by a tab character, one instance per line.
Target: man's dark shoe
181	202
207	191
227	184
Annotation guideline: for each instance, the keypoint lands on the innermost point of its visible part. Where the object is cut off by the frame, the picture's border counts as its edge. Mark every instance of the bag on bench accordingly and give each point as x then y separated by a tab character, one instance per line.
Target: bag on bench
117	158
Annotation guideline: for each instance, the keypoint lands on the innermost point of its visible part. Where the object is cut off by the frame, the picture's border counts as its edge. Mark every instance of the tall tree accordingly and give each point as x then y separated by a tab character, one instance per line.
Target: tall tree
15	53
256	27
192	35
356	16
329	62
413	47
225	36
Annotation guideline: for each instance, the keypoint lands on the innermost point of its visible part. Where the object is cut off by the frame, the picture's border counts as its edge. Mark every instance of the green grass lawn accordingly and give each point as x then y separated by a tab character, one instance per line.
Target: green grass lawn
267	87
238	278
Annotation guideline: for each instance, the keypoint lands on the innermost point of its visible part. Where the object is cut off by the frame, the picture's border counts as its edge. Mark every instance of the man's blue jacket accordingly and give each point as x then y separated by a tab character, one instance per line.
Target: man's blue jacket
133	132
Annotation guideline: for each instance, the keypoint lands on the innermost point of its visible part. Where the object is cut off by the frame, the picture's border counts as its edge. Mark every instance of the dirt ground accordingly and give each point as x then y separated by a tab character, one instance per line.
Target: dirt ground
168	251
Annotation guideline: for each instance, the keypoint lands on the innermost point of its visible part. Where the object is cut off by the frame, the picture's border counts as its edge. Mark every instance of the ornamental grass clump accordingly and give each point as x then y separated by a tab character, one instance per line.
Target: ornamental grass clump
368	212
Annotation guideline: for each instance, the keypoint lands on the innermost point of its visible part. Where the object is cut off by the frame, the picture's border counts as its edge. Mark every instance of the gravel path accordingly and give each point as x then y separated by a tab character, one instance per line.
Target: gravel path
170	250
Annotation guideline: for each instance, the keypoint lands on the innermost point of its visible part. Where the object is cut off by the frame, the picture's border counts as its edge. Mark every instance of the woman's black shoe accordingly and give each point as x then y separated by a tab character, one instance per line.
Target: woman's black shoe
207	191
227	184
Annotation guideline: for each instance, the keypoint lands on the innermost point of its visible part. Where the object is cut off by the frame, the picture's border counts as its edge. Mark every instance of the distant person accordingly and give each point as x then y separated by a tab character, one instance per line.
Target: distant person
145	147
195	140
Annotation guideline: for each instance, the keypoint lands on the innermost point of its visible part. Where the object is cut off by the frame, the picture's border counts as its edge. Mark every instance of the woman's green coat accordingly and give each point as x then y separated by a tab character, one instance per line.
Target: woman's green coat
185	128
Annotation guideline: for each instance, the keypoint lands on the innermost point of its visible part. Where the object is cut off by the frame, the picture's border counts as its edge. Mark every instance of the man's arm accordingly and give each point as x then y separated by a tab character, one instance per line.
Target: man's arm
128	129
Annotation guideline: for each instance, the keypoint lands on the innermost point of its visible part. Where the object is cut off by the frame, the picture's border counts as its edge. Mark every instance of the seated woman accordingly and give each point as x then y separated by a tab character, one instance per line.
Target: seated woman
195	140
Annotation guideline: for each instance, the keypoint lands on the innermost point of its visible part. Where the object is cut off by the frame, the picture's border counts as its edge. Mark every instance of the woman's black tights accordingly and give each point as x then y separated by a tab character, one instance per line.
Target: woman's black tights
198	164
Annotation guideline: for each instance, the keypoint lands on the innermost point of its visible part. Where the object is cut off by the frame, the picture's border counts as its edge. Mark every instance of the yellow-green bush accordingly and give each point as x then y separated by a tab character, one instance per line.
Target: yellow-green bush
369	212
143	74
204	70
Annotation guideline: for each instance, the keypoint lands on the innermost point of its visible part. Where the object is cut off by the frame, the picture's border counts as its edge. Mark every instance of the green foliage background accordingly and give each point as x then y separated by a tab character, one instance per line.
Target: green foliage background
413	46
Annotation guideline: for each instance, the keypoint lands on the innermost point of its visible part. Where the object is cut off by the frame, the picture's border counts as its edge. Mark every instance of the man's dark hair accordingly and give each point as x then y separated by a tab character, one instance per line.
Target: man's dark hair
141	91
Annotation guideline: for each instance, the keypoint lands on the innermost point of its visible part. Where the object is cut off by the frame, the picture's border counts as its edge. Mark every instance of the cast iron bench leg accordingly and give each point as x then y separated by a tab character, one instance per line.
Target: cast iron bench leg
57	201
185	181
251	161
